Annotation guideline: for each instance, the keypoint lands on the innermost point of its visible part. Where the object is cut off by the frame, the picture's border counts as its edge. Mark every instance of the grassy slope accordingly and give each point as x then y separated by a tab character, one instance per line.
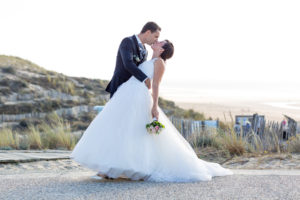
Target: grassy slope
30	82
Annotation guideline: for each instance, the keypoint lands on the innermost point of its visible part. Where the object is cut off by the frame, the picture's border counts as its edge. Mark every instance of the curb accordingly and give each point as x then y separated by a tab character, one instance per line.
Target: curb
31	160
23	156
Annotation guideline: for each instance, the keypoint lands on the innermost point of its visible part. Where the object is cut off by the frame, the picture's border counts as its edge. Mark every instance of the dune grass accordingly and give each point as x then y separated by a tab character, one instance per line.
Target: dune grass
51	134
294	144
54	133
7	139
236	145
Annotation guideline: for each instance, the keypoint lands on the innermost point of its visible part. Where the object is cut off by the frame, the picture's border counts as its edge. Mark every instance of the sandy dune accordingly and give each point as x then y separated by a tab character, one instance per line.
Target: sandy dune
272	111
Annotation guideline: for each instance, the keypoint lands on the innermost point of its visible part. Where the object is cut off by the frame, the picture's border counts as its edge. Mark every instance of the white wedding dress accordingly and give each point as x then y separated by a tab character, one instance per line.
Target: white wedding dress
116	143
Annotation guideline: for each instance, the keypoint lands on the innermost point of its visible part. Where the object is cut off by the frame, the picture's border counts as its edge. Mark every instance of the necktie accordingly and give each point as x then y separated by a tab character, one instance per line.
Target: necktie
142	50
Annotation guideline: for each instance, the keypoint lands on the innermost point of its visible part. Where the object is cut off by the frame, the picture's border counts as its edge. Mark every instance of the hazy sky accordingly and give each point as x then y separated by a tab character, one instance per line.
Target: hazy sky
257	40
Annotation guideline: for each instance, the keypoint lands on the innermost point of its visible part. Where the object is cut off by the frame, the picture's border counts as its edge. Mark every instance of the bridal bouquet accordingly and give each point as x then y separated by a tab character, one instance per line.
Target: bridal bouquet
155	126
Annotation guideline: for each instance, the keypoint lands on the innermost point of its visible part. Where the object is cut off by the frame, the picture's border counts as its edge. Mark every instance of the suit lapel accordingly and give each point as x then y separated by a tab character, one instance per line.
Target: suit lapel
139	53
136	45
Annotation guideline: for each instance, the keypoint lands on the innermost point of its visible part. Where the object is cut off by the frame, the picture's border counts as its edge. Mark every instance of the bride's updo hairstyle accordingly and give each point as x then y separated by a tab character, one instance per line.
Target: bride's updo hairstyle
168	50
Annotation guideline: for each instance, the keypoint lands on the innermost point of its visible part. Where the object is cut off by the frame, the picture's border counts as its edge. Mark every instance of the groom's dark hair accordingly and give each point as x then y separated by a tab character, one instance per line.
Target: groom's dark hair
151	26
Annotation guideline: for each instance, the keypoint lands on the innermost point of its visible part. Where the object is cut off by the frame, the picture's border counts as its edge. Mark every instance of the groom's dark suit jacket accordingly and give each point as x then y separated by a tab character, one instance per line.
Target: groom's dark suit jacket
128	59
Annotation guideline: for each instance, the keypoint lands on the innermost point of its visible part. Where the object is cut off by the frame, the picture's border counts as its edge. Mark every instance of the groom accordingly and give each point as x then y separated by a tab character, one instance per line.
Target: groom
131	54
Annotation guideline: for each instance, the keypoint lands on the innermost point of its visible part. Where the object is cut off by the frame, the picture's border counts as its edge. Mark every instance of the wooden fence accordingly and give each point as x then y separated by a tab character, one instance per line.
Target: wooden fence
74	111
187	127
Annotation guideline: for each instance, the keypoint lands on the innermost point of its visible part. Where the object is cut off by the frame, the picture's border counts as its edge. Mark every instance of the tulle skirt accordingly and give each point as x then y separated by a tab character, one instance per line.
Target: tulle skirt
116	143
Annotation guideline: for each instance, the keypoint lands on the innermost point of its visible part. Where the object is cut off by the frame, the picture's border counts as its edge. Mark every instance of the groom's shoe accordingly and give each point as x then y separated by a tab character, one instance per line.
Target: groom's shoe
103	176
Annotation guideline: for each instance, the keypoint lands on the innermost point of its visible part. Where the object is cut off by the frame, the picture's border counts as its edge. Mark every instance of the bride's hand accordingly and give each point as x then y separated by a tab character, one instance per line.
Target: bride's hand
155	113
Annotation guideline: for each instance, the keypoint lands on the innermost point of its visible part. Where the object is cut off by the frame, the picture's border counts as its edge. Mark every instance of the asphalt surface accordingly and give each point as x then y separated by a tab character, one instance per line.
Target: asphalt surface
76	184
49	175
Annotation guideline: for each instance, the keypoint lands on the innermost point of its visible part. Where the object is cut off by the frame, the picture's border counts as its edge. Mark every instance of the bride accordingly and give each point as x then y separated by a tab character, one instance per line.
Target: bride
117	144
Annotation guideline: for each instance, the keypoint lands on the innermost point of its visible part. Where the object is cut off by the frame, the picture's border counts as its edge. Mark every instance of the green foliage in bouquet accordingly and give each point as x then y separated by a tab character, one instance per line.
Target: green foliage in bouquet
155	127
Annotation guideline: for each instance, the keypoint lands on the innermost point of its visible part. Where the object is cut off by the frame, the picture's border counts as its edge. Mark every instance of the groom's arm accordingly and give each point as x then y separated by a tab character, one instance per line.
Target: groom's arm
126	50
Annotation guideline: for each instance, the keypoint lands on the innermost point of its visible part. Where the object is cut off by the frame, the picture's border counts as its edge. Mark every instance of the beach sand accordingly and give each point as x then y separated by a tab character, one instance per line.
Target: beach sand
273	110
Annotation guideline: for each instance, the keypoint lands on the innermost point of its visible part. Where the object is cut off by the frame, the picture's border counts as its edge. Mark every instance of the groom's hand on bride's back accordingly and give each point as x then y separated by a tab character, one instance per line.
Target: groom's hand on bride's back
148	83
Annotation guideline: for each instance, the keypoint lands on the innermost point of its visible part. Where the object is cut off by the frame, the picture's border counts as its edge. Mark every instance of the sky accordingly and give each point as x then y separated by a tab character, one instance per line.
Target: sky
235	43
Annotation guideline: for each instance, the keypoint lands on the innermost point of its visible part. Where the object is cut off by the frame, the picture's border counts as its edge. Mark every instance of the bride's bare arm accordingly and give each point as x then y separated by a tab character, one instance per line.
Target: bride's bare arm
159	68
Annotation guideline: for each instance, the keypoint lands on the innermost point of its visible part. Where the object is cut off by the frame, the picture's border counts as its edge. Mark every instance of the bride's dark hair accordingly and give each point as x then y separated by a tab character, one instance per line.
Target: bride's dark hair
168	50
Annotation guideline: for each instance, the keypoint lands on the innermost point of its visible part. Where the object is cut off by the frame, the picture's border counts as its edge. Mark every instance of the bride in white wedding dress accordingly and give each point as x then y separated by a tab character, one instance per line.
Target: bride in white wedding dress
117	144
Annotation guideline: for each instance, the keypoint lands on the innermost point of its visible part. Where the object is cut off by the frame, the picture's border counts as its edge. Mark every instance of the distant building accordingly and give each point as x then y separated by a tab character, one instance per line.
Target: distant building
288	127
255	123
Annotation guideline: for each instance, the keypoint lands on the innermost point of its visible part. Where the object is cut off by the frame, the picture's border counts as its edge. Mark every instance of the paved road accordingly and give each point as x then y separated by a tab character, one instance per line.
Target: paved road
30	175
76	184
